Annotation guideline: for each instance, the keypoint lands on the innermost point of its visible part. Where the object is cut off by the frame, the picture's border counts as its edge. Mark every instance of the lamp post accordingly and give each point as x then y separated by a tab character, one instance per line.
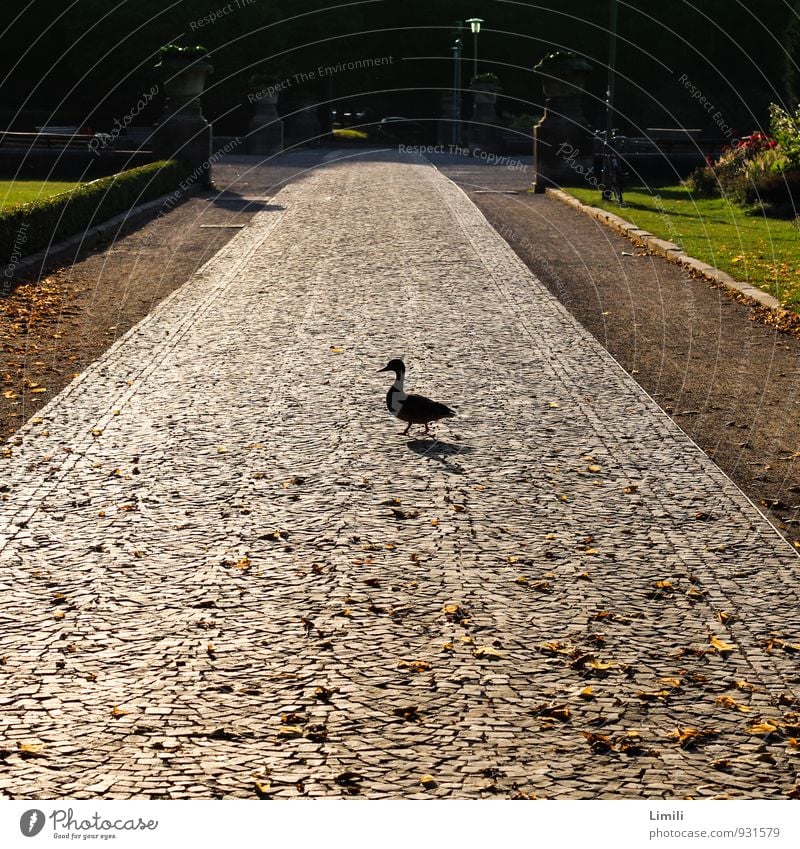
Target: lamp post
612	62
457	49
475	26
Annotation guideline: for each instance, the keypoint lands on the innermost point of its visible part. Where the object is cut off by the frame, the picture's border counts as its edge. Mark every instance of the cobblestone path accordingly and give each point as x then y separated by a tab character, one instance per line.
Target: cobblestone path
225	574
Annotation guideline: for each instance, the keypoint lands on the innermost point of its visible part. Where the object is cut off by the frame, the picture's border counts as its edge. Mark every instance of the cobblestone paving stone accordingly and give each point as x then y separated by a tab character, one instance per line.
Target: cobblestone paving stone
225	574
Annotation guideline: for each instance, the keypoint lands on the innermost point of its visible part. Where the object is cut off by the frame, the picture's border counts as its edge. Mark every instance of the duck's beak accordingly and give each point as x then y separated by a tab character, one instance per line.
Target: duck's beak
385	368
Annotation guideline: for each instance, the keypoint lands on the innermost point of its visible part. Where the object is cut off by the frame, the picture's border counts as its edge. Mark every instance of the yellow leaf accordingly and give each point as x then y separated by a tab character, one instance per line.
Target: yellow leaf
745	685
222	449
467	639
728	702
553	404
287	732
663	585
673	682
521	580
59	614
594	468
31	749
243	563
487	652
427	781
37	420
97	431
586	693
693	735
38	390
600	664
415	665
652	695
262	788
448	647
549	536
720	645
118	711
766	727
434	522
336	350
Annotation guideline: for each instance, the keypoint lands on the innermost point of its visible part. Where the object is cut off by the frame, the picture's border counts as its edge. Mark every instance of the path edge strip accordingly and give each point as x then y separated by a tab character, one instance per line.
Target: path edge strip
75	247
671	252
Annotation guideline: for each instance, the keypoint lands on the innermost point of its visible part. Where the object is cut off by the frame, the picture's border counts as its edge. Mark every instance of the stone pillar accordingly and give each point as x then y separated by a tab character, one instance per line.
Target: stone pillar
562	140
483	132
183	133
266	128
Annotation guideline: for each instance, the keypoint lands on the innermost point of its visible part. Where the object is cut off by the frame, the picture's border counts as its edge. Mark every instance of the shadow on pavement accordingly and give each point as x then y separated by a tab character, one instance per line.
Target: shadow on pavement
440	452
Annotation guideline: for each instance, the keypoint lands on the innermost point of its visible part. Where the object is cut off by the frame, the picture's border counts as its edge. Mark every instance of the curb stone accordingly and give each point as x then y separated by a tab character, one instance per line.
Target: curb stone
670	251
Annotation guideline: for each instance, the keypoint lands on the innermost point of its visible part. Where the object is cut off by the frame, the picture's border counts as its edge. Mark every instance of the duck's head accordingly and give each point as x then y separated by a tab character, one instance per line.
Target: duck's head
397	366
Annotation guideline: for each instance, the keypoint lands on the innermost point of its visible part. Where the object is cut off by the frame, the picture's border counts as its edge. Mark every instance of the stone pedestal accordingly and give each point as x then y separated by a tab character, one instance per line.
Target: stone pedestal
562	140
304	124
483	131
265	134
183	133
448	109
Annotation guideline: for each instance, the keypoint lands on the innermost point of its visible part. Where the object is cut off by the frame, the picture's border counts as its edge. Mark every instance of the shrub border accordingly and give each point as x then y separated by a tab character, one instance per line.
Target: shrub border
32	227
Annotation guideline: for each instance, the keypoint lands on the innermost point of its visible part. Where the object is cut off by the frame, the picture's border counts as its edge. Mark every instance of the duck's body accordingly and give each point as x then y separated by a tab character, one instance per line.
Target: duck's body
414	409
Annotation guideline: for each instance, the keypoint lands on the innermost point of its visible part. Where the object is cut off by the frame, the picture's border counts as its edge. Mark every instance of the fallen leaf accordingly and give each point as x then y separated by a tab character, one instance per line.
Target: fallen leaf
118	711
599	742
653	695
692	736
427	781
720	645
559	712
728	702
287	732
765	727
410	713
448	647
243	563
487	652
415	665
744	685
586	693
263	789
31	750
336	350
594	468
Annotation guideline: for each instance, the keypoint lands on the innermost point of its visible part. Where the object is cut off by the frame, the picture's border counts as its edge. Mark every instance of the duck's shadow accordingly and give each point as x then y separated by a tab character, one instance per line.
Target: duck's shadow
440	452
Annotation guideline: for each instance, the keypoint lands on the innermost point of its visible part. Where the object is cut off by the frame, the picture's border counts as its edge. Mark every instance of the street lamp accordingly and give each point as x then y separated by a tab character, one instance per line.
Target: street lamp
475	26
608	153
457	46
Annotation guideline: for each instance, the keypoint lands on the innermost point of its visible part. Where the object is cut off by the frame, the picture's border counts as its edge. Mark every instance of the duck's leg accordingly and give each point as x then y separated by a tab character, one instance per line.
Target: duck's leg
405	432
426	429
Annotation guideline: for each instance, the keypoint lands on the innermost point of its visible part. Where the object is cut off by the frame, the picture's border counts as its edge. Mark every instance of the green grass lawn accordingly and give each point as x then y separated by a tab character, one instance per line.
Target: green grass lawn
15	192
764	252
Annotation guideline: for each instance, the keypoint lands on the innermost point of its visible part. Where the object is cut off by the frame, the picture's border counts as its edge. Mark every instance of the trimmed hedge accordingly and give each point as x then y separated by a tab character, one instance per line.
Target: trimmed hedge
31	227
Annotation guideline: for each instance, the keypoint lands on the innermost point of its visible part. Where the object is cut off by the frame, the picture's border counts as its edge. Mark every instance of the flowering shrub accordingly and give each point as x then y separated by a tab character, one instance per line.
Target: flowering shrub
785	126
758	169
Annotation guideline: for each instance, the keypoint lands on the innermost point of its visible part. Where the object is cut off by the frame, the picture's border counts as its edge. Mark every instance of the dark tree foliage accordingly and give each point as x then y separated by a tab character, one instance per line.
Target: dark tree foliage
89	61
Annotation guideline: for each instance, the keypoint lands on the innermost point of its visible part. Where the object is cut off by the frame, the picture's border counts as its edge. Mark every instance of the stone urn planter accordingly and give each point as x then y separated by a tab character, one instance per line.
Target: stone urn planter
483	130
562	141
183	132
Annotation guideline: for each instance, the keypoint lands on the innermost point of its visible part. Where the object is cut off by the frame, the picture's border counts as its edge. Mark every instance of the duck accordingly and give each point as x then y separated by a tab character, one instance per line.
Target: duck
414	409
